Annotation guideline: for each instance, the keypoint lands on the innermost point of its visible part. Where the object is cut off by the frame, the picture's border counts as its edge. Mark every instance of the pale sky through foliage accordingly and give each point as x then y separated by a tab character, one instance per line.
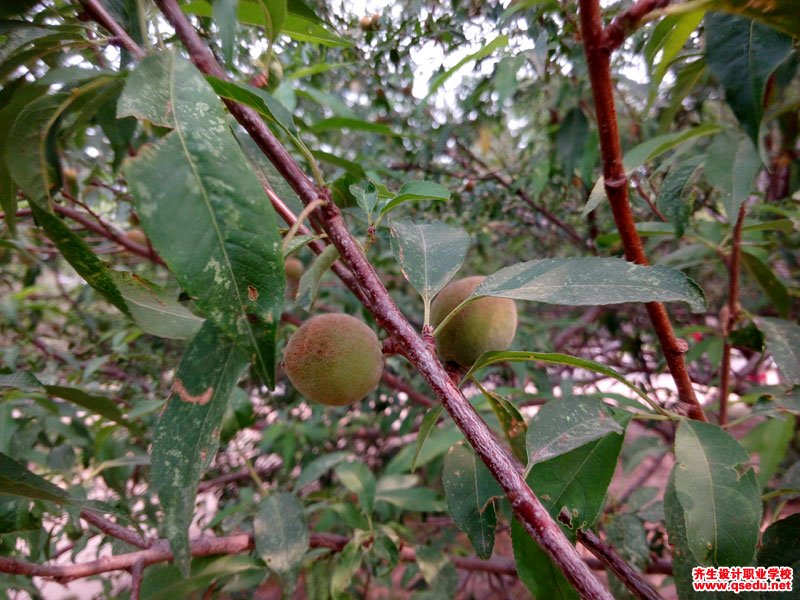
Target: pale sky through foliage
429	57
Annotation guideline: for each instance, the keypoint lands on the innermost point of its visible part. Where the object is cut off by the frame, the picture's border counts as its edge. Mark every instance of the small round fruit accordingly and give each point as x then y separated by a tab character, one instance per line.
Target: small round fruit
137	236
482	325
334	359
294	269
275	72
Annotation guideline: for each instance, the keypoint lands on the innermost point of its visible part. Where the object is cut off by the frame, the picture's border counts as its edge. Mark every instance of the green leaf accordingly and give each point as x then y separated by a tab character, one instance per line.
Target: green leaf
770	440
17	35
274	14
415	499
683	562
438	571
571	140
425	428
316	69
225	18
627	534
366	199
309	281
80	256
16	480
299	24
196	181
534	567
339	123
22	381
742	54
647	151
358	479
719	495
731	166
670	200
511	420
500	41
165	582
21	96
318	467
779	547
281	534
565	424
668	38
780	14
591	281
415	191
782	225
469	489
346	568
155	310
187	434
31	165
577	481
783	341
767	280
259	100
438	443
429	254
97	404
655	147
105	407
554	358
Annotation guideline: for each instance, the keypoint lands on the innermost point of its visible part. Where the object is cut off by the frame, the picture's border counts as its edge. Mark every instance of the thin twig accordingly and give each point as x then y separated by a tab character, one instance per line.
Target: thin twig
616	185
730	315
97	11
398	384
114	530
635	583
137	573
627	22
101	228
508	183
211	546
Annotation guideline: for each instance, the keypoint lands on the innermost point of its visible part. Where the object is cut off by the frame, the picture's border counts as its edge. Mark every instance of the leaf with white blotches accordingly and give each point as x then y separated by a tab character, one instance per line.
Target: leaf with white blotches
281	534
197	181
469	489
187	434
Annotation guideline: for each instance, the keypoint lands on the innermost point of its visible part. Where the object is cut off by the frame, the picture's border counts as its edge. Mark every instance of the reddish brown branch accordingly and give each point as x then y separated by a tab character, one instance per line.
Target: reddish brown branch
635	583
627	22
398	384
508	183
263	471
729	315
211	546
235	544
97	11
526	505
114	530
598	58
137	573
101	228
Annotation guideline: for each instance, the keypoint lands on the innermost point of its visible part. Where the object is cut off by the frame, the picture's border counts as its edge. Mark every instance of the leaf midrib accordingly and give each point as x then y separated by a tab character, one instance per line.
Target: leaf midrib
207	202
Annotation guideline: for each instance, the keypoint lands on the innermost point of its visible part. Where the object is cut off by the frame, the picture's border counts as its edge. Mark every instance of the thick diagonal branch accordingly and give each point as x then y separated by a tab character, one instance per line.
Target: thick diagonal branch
598	58
527	507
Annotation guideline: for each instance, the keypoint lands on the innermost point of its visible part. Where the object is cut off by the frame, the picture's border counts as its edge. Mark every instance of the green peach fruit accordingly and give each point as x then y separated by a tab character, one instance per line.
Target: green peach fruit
482	325
334	359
